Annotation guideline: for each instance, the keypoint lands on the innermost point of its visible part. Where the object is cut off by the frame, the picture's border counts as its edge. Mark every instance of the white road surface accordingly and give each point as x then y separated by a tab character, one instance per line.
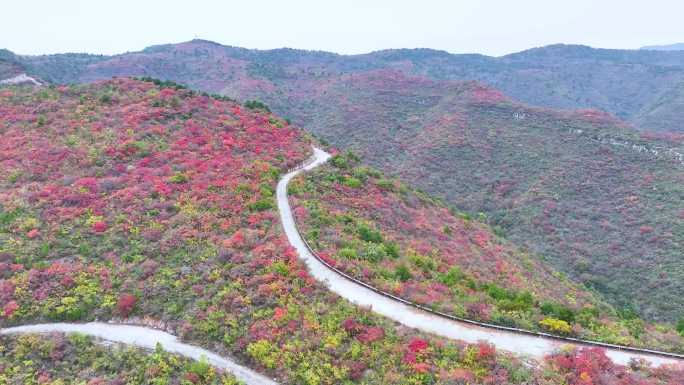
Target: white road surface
144	337
527	345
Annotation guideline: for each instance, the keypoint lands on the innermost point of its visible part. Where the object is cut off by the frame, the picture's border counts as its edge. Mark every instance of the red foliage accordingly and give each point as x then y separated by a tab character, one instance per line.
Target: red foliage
125	304
10	308
371	334
99	227
417	345
486	351
279	313
192	378
591	366
351	326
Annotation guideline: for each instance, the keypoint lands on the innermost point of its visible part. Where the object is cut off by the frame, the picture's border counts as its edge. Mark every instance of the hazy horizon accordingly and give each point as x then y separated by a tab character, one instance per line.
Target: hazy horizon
351	27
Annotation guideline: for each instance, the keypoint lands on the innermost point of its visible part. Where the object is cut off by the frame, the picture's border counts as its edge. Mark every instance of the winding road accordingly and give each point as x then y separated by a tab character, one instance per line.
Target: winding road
147	338
520	343
523	344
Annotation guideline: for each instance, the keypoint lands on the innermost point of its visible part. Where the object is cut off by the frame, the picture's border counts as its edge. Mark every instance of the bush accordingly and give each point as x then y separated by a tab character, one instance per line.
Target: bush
262	205
348	253
680	326
126	304
257	105
392	249
385	184
558	311
339	161
402	273
374	252
555	325
452	277
367	234
352	182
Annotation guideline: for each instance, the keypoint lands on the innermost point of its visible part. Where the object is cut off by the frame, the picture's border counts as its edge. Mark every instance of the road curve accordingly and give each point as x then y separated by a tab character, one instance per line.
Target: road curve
525	344
147	338
529	345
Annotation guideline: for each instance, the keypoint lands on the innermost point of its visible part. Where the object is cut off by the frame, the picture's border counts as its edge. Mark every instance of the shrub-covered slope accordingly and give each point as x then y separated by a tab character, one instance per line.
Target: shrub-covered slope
59	359
127	199
601	202
407	244
123	199
603	214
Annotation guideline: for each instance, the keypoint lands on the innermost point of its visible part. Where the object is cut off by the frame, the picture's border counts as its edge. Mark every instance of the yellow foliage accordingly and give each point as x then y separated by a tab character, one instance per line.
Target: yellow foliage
556	325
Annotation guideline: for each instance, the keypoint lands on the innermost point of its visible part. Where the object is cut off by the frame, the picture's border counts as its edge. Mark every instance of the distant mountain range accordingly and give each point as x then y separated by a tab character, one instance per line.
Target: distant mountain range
635	85
602	201
669	47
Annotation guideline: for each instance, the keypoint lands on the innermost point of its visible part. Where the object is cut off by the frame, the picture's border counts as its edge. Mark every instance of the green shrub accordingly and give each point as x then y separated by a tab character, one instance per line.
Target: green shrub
392	249
680	326
558	311
374	252
262	205
339	161
178	178
367	234
402	273
352	182
348	253
452	277
422	262
385	184
257	105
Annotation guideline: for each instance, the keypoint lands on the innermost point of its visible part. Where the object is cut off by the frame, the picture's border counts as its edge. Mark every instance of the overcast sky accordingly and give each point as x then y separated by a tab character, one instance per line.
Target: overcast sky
493	27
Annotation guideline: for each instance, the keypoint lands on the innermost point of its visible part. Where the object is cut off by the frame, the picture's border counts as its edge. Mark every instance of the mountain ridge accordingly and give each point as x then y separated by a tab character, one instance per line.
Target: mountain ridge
565	76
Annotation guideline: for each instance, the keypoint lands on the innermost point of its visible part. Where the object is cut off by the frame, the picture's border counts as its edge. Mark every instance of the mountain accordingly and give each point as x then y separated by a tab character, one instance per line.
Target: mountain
405	243
621	82
600	200
127	199
669	47
665	113
580	188
148	202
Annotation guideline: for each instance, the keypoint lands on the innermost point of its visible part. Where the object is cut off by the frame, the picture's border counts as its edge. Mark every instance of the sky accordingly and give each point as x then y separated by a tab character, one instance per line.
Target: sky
492	27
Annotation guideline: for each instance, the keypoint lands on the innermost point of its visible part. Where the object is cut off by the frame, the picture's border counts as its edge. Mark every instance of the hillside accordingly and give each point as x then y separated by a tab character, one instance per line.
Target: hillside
621	82
665	113
407	244
568	173
560	184
126	199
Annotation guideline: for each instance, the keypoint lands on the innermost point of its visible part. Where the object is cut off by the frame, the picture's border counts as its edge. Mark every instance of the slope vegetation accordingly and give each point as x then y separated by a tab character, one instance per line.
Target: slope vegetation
76	359
578	187
124	199
413	247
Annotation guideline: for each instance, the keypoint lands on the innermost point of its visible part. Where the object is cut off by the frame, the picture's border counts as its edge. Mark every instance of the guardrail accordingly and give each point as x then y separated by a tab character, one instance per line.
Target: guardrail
452	317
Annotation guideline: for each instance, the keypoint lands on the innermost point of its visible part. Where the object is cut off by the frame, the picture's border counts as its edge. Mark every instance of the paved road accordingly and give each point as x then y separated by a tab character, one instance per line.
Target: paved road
146	338
535	347
528	345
